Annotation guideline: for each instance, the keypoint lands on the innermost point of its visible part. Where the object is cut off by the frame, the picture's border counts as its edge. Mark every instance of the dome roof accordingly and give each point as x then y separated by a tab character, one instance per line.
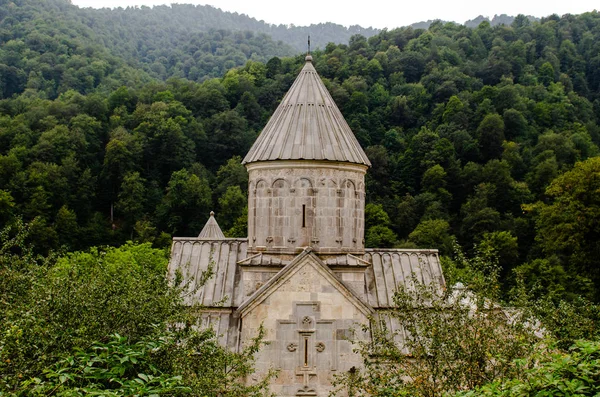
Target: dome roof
307	125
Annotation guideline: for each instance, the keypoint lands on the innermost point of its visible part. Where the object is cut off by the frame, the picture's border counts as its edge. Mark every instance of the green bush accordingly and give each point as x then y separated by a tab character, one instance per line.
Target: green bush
116	368
107	322
572	373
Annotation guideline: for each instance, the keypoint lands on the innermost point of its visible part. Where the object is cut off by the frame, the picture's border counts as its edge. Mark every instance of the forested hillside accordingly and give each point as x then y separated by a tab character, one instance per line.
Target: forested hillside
484	144
501	19
192	42
474	134
55	46
201	18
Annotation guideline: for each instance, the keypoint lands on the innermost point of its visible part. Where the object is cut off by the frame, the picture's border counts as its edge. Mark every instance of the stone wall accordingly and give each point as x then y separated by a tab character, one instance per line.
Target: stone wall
309	319
297	204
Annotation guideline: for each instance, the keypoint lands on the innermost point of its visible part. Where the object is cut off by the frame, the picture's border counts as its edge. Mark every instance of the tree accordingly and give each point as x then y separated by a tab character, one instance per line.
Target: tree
232	173
548	279
123	154
186	204
546	73
556	374
231	204
443	341
102	322
515	124
433	179
166	146
569	226
378	233
7	204
66	227
455	112
380	236
228	135
491	136
273	67
505	247
478	216
116	367
97	293
131	199
433	234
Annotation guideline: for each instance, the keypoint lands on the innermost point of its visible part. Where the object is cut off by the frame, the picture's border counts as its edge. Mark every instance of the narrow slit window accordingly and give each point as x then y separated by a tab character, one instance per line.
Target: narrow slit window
306	352
303	215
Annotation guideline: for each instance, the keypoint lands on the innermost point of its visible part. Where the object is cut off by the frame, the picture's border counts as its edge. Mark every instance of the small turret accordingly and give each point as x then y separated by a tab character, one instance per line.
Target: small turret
211	230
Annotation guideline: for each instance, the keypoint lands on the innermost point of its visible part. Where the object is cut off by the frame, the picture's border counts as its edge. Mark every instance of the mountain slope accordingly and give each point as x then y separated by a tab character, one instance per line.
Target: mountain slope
53	46
465	128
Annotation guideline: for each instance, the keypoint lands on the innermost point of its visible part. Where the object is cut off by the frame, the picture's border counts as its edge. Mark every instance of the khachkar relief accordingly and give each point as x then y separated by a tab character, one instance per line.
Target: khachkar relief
307	347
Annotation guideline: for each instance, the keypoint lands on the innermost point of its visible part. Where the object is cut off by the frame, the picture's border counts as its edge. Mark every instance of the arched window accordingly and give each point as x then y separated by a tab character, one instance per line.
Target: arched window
348	220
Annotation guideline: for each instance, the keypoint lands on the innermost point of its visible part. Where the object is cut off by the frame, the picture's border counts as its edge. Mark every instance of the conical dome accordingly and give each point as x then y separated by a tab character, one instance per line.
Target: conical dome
211	230
307	125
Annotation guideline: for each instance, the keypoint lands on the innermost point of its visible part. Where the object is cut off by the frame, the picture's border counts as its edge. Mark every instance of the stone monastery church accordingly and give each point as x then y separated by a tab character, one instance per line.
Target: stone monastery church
303	272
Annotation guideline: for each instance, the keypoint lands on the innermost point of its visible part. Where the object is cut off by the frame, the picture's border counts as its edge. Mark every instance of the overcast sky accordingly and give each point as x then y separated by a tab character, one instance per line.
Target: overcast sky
375	13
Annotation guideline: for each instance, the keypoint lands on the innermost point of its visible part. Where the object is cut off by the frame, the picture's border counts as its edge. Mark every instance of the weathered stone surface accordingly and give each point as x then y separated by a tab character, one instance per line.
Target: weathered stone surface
308	315
297	204
350	281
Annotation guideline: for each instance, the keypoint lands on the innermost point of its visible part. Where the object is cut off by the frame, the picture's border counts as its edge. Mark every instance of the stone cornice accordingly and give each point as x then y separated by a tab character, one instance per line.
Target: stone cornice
311	164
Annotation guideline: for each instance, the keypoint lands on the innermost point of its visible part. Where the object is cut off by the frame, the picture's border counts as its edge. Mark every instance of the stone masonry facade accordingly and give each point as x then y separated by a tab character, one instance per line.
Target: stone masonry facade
310	319
297	204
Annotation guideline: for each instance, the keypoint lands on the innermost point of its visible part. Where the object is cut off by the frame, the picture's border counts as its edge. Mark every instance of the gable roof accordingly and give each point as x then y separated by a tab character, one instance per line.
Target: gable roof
385	270
193	257
307	256
211	231
391	268
307	125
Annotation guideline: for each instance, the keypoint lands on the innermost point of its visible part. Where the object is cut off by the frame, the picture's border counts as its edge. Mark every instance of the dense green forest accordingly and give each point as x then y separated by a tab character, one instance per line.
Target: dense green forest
496	20
100	323
192	42
501	19
184	19
483	140
466	129
61	46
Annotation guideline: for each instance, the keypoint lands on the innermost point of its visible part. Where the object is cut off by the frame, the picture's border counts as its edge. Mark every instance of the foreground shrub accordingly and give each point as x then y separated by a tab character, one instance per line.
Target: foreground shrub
572	373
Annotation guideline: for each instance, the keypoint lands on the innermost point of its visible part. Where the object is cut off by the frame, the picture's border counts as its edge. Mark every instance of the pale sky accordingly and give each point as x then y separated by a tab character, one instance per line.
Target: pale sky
375	13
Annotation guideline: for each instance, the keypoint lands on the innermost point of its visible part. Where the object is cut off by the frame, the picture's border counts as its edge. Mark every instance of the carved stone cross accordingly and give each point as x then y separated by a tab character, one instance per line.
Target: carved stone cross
308	345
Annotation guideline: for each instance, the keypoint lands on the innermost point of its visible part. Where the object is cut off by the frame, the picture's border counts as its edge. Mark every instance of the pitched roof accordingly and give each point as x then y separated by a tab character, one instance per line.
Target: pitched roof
211	230
392	268
307	256
385	270
307	125
194	257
